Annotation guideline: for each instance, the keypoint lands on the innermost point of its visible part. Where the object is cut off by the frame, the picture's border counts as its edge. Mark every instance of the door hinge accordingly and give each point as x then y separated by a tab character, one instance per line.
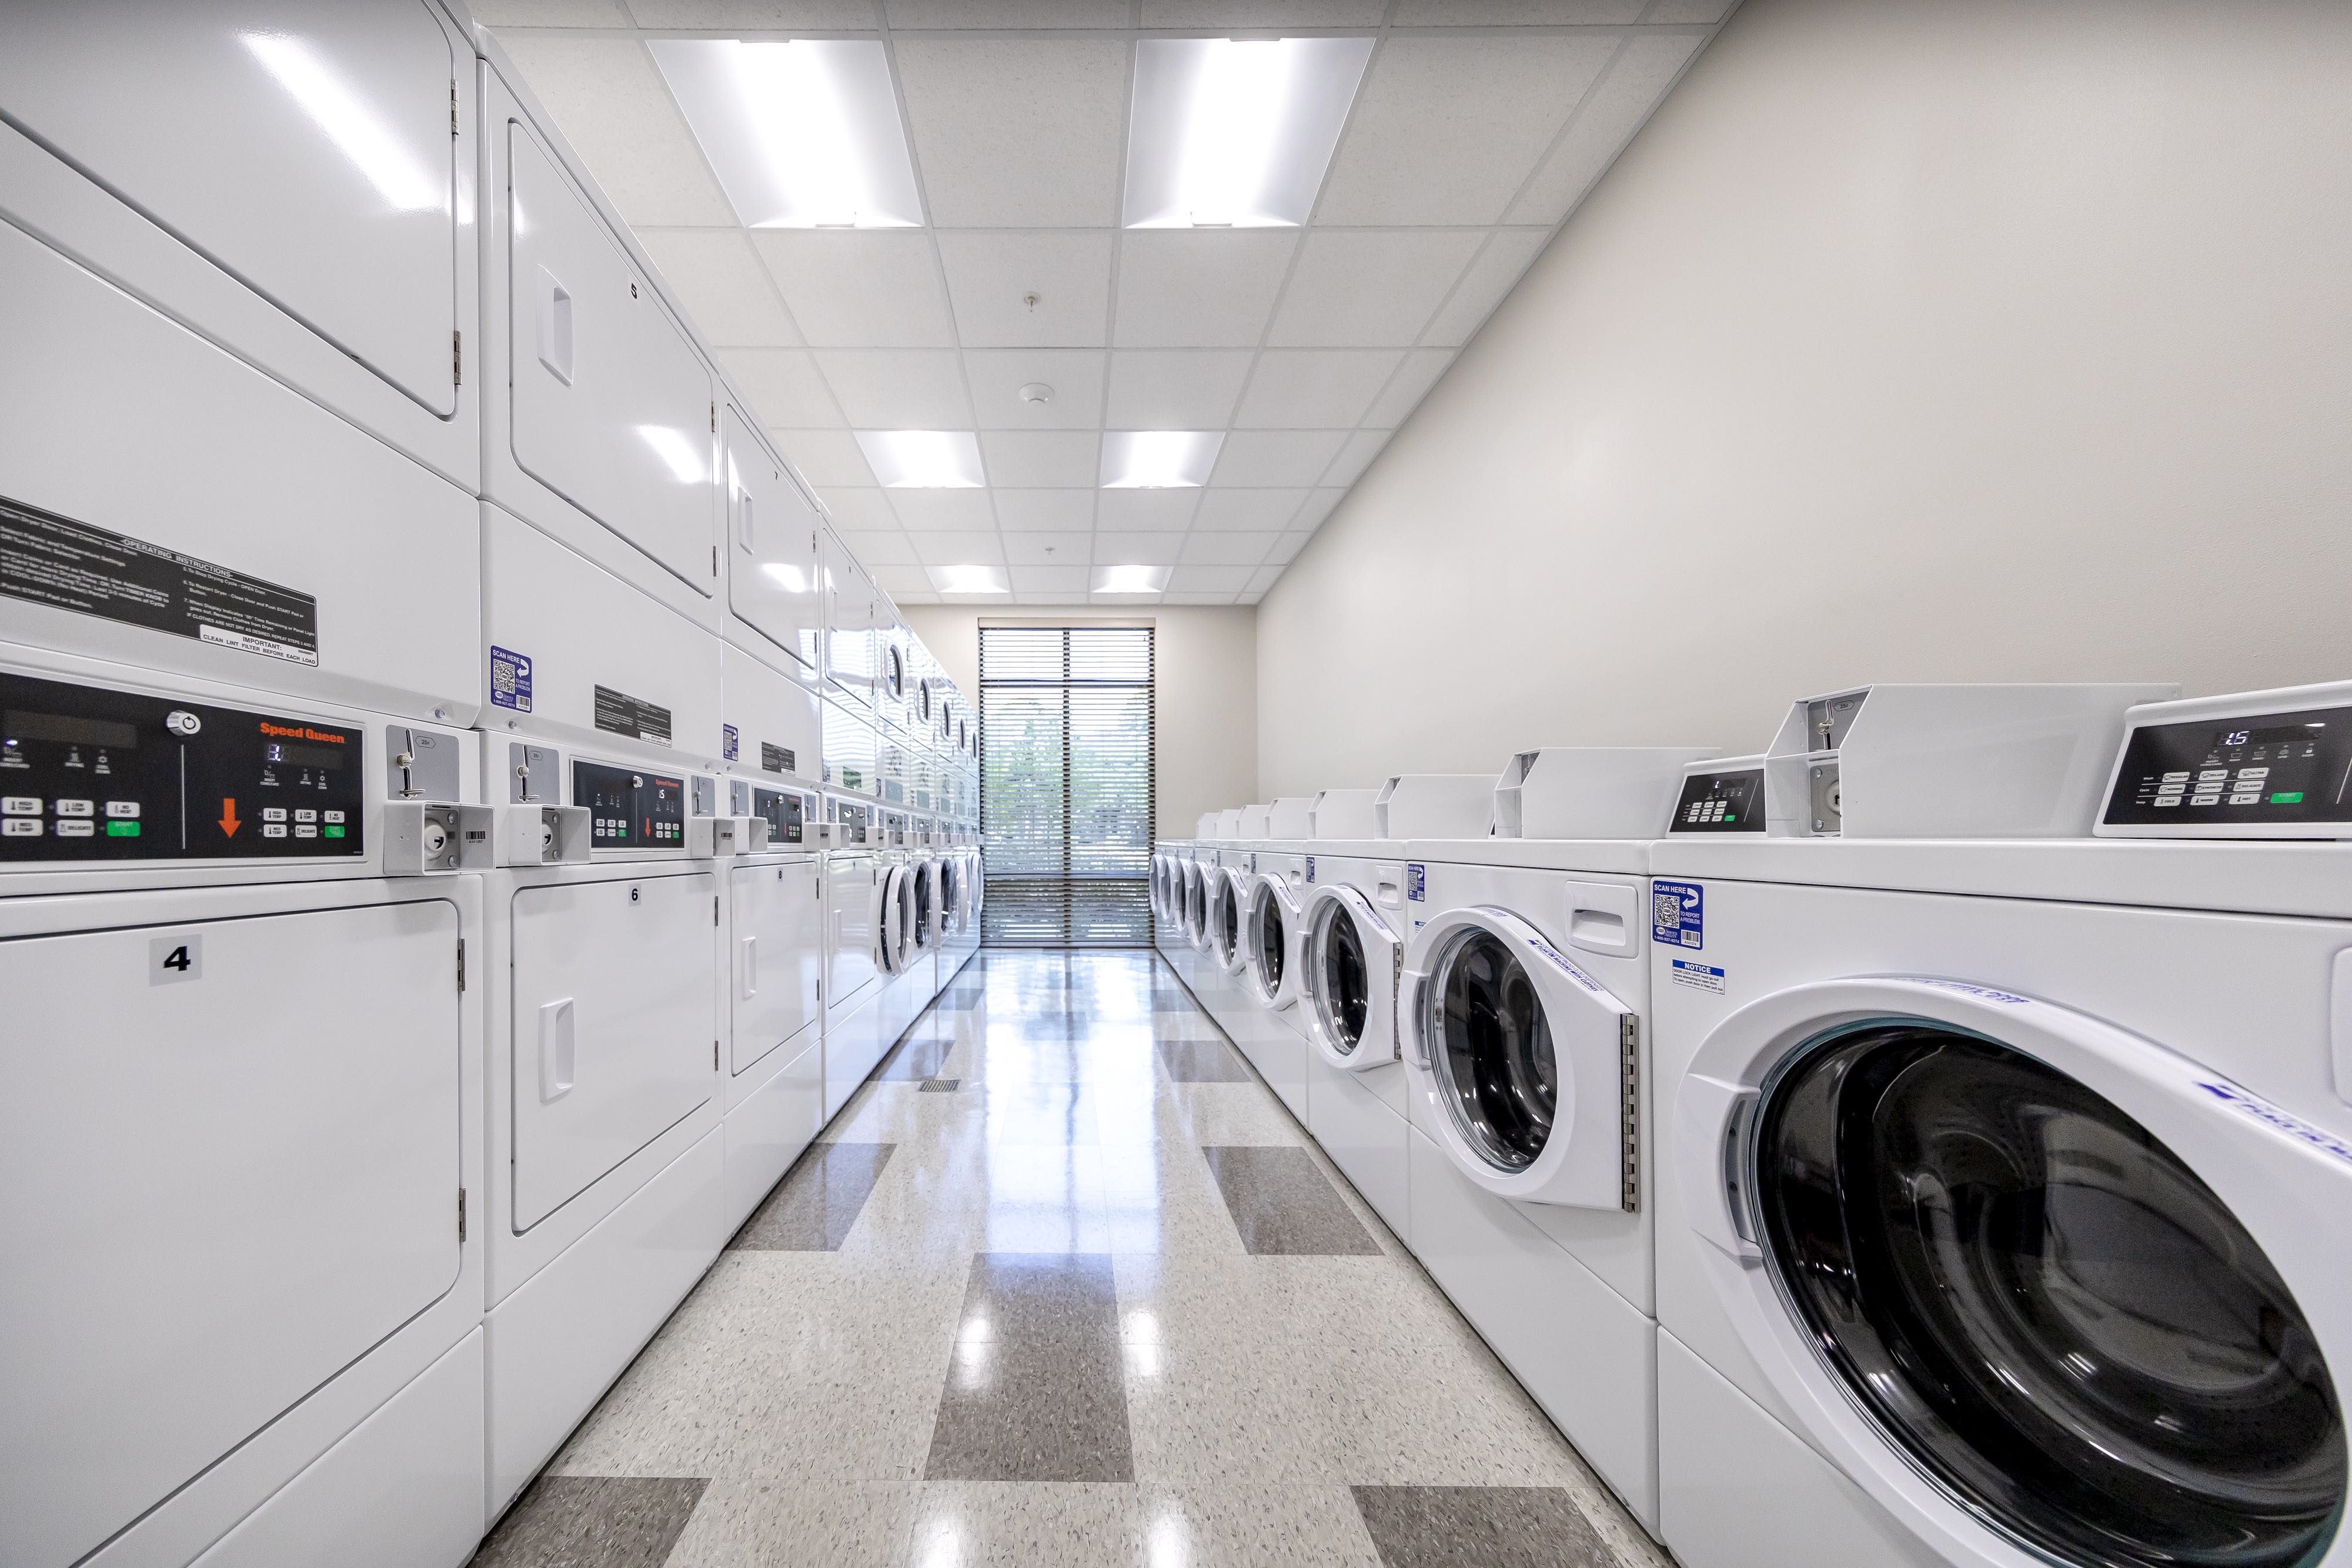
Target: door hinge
461	1216
461	963
457	359
1629	1051
714	419
714	1056
453	106
714	560
714	909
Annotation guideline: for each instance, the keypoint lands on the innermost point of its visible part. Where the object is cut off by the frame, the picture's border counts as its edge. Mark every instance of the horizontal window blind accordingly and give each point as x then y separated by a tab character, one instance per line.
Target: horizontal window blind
1065	742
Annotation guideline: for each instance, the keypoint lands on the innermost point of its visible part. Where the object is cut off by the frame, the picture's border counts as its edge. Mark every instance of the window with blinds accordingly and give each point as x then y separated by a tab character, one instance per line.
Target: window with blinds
1066	792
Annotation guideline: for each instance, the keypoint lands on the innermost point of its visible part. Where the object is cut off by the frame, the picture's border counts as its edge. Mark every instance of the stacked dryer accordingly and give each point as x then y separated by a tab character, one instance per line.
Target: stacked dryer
240	1090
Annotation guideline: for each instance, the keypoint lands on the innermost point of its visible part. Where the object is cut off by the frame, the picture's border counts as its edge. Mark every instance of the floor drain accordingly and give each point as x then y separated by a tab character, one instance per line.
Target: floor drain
942	1085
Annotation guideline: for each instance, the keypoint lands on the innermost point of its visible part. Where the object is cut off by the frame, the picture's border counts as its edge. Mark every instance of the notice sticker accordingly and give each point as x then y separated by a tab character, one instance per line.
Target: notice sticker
778	758
509	680
1416	882
49	560
1697	976
1679	913
621	714
728	742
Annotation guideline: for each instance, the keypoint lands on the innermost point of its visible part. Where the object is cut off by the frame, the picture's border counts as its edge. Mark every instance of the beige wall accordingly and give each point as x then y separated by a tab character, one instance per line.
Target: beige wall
1204	693
1919	341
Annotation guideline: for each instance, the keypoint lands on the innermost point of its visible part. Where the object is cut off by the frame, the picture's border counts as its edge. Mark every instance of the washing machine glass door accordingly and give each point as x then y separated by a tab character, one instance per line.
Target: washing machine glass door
1350	958
891	926
919	924
1196	904
2042	1304
1226	921
1270	934
952	895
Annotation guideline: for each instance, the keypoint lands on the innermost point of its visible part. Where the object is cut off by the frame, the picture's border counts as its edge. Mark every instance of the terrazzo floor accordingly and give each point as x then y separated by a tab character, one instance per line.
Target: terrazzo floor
1065	1284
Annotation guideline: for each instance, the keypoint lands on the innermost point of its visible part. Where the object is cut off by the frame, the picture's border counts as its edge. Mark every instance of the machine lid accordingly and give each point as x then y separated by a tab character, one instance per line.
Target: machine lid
2043	1305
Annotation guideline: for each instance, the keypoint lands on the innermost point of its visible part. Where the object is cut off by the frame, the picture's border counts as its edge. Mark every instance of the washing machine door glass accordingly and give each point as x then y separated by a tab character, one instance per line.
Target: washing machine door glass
1498	1076
2044	1305
1343	979
1196	907
922	896
1268	931
1229	921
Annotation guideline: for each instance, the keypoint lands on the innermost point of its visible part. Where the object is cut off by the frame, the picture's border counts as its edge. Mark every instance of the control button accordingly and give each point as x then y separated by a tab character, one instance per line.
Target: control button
2167	799
77	830
180	721
273	830
21	806
20	828
2170	777
273	813
2255	799
306	815
122	808
2287	797
2172	789
306	831
76	809
2215	773
122	829
331	816
2248	775
334	831
2205	800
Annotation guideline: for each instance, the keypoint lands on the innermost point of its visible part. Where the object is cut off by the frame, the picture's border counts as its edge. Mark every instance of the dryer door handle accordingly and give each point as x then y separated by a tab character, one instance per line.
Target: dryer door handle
751	966
558	1044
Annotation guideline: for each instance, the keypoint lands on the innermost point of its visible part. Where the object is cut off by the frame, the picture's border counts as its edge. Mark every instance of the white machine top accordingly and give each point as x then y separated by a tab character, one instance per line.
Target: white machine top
1291	817
1591	791
1253	823
1435	805
1628	857
1346	814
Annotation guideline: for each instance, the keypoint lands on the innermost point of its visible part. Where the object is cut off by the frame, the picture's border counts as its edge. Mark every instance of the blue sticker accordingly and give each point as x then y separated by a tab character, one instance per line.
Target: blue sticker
1679	913
509	680
1311	868
1697	976
727	741
2295	1127
1416	882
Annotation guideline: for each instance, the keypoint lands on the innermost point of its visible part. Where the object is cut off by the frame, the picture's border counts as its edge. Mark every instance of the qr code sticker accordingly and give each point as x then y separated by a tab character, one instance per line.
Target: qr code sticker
1665	910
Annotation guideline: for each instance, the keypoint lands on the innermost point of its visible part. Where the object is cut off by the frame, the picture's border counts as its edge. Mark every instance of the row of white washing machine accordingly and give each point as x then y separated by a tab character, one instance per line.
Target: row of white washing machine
1927	1142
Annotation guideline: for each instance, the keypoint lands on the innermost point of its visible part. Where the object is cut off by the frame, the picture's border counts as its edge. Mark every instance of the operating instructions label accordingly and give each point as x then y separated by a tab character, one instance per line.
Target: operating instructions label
622	714
46	558
778	758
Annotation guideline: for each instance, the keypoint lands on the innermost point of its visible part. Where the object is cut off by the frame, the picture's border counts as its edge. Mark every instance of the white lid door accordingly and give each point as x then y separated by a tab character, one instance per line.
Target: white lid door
1272	930
776	584
1350	957
779	956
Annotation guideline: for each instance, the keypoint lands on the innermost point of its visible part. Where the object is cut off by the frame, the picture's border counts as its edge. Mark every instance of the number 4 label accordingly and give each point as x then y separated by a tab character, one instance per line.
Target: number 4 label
171	959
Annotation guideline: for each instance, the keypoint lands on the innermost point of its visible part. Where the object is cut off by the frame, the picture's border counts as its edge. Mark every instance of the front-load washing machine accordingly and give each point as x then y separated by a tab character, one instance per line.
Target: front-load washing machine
1522	1009
241	1126
1271	911
1350	1076
858	891
774	938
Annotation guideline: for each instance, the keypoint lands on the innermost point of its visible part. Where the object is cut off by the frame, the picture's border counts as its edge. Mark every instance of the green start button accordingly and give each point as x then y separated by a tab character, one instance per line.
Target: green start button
122	829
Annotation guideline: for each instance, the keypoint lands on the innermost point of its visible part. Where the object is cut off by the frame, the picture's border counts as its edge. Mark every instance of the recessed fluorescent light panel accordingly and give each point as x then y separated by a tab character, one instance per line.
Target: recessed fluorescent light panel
803	134
970	580
1158	459
1131	579
1234	132
923	459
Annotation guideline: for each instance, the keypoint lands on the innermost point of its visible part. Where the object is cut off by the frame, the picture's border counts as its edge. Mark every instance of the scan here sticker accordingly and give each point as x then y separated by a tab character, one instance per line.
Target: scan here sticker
1679	913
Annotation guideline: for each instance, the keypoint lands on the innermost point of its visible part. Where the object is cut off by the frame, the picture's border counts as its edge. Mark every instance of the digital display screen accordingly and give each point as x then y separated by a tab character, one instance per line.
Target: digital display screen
69	729
1728	802
295	755
2280	768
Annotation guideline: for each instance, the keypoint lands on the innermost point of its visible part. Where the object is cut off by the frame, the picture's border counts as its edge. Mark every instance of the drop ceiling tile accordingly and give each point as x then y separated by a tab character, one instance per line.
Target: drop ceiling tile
1248	511
1272	459
1041	459
726	292
1317	507
783	386
860	288
991	275
1050	578
1355	457
898	389
911	597
784	14
1359	288
858	510
1049	550
1224	549
1517	13
942	508
896	580
1121	509
550	14
1447	129
1611	114
1017	133
1199	288
916	15
1045	511
1075	375
1138	549
1174	389
1287	548
1260	580
1313	389
1264	12
824	456
883	547
1691	11
1224	579
611	104
957	547
1124	599
1507	256
1197	599
1408	386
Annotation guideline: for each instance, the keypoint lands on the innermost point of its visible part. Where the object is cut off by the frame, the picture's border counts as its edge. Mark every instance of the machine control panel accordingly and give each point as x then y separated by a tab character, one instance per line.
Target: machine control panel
88	773
855	821
2223	774
630	808
1731	801
787	815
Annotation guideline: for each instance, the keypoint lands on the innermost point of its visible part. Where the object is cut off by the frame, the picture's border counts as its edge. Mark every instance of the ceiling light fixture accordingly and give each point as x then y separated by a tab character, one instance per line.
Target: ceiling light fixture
801	134
923	459
1158	459
1230	131
1131	579
356	130
970	580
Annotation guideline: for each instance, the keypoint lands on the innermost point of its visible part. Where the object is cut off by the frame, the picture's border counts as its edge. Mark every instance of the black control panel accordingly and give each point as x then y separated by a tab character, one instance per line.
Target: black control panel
630	808
786	814
2280	767
1728	802
854	820
92	774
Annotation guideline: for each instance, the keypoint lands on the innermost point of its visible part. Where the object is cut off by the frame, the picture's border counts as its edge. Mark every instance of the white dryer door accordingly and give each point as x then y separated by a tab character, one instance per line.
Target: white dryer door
1530	1064
779	955
1350	957
2012	1264
231	1153
614	1017
890	922
776	585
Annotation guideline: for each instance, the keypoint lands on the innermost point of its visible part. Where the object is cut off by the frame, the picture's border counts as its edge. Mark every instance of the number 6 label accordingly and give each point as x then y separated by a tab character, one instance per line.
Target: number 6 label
171	959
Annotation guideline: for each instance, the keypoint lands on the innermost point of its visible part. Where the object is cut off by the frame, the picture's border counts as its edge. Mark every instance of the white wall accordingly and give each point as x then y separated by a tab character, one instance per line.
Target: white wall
1204	693
1947	340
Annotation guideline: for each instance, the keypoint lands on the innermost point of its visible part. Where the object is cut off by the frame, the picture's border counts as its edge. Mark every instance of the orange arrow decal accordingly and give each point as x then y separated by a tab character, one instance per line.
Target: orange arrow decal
228	817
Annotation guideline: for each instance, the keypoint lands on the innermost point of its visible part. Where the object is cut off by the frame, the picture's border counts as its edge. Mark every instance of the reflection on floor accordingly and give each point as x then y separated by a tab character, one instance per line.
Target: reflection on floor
1065	1284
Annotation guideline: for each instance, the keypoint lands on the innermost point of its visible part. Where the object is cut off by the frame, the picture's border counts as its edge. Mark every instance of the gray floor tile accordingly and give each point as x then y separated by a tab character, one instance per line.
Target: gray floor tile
922	1054
1036	1391
789	1524
592	1521
1202	1060
814	1207
1240	1525
1479	1527
1282	1203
